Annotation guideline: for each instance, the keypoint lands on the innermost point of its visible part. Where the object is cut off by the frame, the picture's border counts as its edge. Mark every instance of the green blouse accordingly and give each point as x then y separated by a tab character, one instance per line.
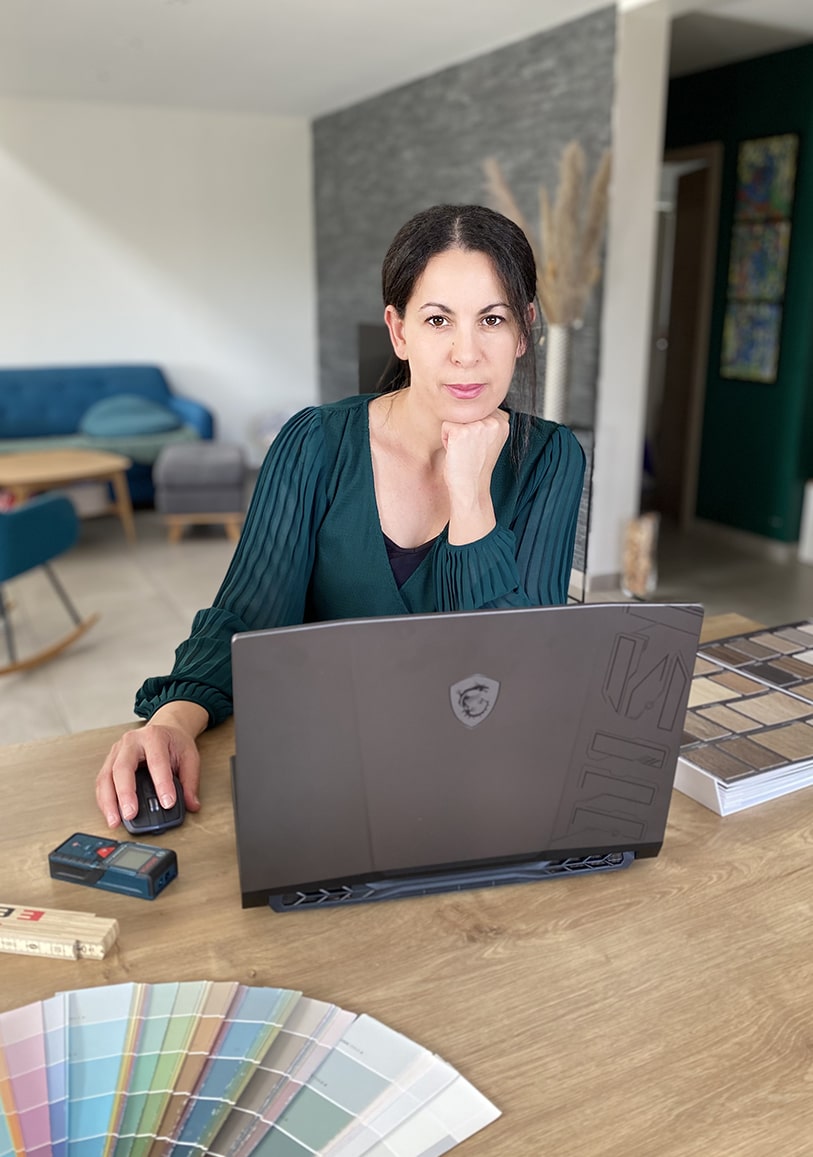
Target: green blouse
312	547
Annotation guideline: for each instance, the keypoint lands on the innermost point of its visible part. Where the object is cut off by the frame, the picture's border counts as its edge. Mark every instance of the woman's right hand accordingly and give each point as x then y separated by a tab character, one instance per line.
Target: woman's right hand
167	745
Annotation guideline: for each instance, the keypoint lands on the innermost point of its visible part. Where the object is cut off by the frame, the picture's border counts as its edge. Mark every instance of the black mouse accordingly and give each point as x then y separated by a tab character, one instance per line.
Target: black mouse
151	818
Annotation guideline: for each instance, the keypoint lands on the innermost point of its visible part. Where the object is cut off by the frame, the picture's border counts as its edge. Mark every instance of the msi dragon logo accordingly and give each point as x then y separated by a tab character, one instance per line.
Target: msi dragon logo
473	699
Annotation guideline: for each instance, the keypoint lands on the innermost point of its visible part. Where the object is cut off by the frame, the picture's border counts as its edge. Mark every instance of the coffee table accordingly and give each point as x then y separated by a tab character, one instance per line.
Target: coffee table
33	471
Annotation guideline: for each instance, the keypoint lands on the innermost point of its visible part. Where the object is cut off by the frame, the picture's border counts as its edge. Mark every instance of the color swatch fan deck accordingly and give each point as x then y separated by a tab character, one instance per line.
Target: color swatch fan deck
139	1070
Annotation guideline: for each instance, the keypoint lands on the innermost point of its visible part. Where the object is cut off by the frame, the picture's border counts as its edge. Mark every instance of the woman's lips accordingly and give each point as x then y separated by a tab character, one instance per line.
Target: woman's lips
464	391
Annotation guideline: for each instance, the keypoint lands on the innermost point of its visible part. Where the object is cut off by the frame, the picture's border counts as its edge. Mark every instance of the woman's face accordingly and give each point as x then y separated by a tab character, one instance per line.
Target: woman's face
459	336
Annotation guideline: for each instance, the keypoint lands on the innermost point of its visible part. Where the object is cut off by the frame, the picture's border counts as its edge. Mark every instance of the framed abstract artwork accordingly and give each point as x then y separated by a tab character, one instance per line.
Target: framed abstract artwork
751	341
758	261
766	177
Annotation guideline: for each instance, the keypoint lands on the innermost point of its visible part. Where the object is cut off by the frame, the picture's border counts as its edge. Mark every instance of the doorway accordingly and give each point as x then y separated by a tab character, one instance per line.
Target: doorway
681	317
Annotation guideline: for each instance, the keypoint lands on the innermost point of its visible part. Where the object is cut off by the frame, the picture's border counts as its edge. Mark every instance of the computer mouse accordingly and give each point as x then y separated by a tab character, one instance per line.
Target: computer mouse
151	818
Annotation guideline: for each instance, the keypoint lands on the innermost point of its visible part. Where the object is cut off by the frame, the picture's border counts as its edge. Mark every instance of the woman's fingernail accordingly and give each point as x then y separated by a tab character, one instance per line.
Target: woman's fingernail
112	819
128	810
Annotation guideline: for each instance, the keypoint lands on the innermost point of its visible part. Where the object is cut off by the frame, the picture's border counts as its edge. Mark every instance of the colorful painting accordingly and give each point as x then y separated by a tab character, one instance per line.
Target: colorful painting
759	261
766	175
751	341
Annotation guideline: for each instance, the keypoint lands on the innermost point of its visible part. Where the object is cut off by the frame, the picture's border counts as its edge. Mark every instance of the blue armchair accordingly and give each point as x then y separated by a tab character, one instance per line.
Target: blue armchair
30	536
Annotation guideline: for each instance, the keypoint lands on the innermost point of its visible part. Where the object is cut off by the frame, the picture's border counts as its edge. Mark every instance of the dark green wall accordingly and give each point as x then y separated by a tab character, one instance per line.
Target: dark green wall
757	449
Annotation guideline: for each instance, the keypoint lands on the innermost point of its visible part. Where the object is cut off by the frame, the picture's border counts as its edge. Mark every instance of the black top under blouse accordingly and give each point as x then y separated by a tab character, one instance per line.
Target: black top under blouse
405	560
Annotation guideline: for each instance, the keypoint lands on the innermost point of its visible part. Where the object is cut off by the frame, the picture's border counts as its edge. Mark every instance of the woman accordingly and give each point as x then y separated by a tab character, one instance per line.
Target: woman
429	497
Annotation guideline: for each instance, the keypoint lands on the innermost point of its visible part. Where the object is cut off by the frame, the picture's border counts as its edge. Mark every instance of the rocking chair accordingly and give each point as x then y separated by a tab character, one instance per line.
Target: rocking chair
30	536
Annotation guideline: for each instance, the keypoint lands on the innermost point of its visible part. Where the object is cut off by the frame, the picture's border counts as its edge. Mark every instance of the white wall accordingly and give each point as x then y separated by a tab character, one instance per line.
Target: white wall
177	237
640	106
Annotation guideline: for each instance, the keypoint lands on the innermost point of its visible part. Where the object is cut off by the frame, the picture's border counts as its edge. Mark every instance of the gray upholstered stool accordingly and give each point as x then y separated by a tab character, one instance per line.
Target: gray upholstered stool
200	482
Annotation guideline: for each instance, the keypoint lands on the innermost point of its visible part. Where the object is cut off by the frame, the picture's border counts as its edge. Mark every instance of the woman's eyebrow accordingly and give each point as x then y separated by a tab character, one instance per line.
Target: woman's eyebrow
445	308
437	305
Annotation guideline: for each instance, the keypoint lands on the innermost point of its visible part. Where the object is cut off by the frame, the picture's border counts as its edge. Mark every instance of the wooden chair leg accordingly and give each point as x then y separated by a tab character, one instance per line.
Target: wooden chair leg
80	627
48	653
175	529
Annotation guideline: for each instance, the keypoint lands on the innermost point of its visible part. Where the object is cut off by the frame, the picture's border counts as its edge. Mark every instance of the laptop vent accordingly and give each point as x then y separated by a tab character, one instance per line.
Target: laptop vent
448	882
317	896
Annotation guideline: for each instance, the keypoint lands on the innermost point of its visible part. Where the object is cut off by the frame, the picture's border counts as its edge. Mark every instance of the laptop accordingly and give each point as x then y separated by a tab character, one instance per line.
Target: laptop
390	757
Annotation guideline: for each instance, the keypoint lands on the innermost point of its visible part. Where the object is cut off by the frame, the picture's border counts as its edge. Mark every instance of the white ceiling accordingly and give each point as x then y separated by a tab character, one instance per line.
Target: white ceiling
309	57
285	57
732	30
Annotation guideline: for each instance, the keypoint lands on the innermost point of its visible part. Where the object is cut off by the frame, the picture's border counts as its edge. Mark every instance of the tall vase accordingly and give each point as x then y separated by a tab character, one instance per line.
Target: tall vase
557	372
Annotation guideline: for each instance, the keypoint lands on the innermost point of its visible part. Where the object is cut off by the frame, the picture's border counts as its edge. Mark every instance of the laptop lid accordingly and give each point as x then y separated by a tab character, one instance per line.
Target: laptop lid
369	749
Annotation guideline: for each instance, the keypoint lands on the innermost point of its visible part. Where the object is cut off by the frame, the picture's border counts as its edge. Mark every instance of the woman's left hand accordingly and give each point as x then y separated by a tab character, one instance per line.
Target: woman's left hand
472	450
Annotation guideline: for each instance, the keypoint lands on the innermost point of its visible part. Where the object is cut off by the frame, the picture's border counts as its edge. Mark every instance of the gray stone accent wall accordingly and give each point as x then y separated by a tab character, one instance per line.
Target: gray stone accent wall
377	163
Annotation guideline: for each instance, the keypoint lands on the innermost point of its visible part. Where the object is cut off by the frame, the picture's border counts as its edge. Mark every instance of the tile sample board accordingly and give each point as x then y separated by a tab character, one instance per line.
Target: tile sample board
748	734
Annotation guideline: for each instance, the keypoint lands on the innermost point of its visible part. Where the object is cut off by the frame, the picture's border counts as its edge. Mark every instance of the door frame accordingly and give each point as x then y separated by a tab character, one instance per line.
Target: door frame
712	153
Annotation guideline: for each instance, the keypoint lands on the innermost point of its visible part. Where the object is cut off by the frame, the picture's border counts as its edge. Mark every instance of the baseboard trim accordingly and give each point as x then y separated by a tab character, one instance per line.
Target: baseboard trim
596	583
756	544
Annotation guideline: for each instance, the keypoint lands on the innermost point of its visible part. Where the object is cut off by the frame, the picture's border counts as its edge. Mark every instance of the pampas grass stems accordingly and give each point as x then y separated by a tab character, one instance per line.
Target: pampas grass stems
570	234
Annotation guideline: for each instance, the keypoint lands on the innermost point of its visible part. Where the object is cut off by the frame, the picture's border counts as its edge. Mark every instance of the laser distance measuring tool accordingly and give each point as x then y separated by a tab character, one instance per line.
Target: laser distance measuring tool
133	869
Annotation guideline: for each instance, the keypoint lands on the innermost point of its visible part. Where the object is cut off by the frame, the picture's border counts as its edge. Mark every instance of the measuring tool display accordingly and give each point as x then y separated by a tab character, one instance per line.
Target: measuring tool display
133	869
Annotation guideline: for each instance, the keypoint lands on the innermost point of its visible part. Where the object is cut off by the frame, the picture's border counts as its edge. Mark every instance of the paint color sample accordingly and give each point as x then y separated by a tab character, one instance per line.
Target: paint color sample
99	1023
223	1069
22	1043
255	1018
310	1033
55	1029
156	1011
180	1027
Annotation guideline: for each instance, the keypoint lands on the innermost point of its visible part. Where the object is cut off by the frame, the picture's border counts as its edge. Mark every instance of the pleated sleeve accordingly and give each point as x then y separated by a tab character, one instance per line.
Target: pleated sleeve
267	581
525	561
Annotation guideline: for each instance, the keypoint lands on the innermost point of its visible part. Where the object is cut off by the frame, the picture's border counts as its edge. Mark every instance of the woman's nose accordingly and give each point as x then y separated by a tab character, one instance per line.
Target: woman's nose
465	349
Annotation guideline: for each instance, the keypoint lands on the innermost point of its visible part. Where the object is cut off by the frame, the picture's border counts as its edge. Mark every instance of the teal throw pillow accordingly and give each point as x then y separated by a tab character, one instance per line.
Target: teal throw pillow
121	415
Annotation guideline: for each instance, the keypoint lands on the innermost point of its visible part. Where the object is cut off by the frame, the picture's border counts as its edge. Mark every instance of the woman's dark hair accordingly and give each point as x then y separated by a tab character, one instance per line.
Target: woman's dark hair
474	228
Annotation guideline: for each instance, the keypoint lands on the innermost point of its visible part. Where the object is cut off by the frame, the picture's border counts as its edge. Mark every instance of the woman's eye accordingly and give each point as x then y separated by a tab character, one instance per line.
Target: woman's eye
437	321
492	320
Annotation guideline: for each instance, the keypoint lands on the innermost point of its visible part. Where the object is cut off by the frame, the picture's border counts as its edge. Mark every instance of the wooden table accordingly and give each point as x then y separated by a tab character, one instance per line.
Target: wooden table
662	1011
32	472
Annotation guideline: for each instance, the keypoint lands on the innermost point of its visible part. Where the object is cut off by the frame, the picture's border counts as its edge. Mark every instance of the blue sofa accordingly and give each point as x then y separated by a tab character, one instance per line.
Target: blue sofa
46	408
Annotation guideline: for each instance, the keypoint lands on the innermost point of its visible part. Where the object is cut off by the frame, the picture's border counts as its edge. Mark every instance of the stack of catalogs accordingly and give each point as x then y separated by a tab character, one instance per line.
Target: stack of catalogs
222	1069
748	734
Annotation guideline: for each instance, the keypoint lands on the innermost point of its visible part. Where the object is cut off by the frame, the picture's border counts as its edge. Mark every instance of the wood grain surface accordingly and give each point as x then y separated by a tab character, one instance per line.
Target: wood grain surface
660	1011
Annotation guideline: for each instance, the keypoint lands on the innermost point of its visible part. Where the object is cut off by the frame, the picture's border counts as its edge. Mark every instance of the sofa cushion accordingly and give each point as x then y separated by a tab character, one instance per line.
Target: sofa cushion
127	414
51	400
